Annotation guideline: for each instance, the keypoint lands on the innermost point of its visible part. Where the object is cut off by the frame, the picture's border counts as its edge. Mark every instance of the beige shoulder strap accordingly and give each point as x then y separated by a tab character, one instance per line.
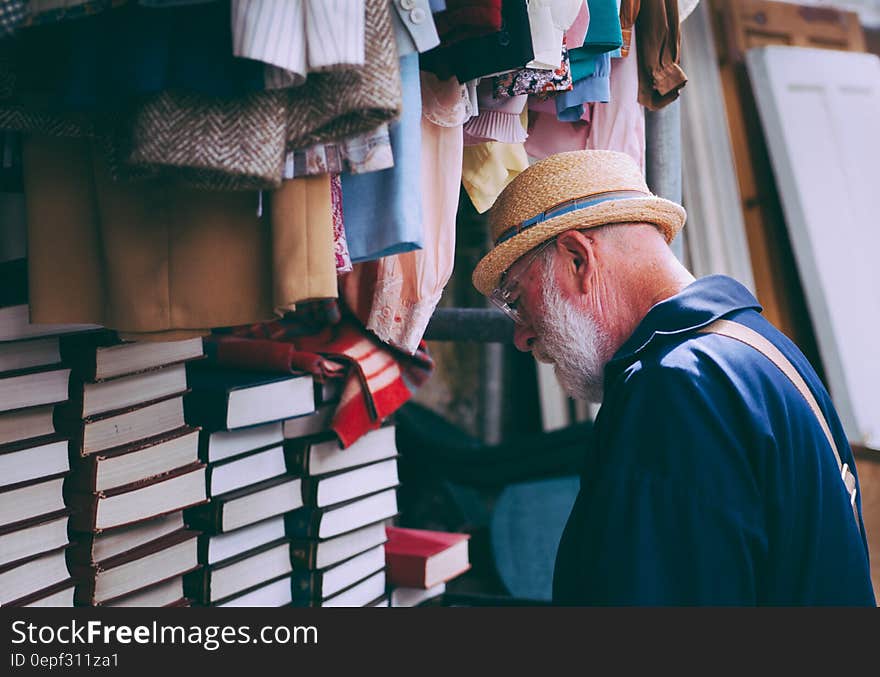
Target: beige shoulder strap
750	337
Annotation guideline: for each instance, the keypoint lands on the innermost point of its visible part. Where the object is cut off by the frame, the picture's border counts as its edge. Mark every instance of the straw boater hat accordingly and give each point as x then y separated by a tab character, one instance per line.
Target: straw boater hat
576	190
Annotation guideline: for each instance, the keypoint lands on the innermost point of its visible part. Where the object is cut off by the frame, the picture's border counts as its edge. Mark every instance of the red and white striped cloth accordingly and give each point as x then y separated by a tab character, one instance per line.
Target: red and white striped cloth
379	379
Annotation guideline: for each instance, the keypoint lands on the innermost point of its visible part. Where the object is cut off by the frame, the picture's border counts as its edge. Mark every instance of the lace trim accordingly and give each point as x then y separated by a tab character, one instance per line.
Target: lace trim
399	323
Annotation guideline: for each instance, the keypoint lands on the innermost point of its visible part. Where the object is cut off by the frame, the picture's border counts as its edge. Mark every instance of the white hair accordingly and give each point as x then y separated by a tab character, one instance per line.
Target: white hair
570	338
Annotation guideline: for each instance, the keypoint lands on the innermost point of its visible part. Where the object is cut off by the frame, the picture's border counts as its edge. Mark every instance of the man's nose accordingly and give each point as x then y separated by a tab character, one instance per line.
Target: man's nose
524	337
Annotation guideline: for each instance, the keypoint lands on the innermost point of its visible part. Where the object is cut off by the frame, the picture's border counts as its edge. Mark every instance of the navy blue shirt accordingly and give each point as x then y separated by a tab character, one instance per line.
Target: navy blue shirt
710	481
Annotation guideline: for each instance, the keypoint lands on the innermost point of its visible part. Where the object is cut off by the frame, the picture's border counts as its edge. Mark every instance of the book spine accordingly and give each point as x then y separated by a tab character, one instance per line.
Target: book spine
80	355
204	442
203	546
296	457
84	595
197	585
304	523
207	408
68	423
306	585
406	571
81	552
207	518
86	475
310	491
304	555
85	510
75	397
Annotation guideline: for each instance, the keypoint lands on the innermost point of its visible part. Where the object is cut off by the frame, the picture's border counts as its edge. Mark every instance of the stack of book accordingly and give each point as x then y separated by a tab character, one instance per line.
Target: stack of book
135	467
293	518
421	562
244	547
339	535
33	460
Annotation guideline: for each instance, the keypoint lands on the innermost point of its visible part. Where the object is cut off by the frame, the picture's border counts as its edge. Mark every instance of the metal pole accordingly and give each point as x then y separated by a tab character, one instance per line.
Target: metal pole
663	157
482	325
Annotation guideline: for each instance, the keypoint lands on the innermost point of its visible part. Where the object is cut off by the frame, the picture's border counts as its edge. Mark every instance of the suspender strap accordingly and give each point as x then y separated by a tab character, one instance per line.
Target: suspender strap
750	337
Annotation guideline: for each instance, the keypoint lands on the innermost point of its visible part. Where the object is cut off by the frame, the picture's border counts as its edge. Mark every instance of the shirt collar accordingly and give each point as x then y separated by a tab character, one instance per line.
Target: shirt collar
697	305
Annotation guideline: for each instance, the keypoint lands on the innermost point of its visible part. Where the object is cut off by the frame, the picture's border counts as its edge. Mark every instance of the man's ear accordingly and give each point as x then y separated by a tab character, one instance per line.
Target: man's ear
577	251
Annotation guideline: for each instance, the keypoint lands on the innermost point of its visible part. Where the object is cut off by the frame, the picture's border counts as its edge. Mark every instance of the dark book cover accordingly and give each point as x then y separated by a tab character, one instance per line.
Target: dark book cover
207	404
209	517
13	283
297	452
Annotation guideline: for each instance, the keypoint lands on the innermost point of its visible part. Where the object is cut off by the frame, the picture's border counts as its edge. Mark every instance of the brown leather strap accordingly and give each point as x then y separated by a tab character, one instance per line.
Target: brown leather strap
750	337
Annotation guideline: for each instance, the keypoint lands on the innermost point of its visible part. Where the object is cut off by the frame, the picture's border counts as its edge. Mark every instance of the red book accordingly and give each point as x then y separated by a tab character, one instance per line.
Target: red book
419	558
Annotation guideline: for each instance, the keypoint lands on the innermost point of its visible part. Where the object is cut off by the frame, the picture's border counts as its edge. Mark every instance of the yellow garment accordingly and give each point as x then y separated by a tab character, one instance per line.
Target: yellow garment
304	264
488	167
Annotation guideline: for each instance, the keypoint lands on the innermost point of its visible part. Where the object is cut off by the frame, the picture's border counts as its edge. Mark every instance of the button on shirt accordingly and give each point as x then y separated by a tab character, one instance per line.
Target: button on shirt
710	481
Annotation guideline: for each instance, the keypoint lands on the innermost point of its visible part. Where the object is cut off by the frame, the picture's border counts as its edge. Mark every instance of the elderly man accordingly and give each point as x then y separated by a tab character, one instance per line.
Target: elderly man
720	473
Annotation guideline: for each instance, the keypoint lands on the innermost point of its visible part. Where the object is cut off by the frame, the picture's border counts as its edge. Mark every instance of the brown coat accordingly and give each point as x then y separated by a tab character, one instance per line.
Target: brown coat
154	260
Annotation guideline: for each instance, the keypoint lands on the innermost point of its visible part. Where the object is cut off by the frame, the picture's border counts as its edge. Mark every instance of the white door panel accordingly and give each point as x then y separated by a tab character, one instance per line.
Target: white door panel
821	114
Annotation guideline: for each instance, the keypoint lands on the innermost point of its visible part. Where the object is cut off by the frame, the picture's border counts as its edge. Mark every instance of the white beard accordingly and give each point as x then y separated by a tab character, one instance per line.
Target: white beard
571	339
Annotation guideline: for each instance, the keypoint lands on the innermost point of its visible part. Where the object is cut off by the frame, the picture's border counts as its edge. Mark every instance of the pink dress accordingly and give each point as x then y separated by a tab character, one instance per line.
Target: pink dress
395	296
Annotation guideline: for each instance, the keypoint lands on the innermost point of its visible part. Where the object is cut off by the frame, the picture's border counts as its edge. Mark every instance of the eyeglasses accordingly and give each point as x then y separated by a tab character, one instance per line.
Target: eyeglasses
505	297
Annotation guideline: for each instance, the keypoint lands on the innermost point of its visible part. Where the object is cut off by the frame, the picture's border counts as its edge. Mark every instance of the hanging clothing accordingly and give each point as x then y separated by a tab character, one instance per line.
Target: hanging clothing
464	19
620	123
328	107
108	62
382	210
548	21
659	47
488	168
535	80
340	243
367	152
395	296
414	26
592	89
273	32
303	255
499	119
548	135
237	143
300	36
447	103
629	11
577	32
603	35
151	260
334	34
52	11
507	49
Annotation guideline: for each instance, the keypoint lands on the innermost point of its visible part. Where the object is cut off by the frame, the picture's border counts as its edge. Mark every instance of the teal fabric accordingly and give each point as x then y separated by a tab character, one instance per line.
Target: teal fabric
603	35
